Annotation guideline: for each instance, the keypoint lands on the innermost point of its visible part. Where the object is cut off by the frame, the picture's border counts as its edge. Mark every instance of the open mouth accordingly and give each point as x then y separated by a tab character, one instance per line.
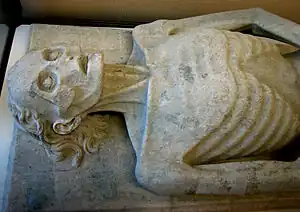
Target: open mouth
83	64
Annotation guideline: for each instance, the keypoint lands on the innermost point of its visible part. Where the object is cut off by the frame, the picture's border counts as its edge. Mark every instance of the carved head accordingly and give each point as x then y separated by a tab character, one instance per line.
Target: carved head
56	85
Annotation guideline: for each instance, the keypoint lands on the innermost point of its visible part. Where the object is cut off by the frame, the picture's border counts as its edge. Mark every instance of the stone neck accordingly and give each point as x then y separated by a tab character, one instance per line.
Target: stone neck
123	88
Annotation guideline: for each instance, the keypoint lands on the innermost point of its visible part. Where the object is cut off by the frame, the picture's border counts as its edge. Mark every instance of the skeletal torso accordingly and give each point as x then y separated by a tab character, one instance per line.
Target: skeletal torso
211	97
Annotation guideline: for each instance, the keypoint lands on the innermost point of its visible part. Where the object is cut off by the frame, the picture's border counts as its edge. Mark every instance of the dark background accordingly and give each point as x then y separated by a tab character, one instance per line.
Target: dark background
10	15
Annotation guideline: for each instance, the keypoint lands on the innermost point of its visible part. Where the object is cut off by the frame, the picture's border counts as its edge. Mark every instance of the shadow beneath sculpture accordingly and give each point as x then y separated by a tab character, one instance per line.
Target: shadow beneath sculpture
288	153
254	29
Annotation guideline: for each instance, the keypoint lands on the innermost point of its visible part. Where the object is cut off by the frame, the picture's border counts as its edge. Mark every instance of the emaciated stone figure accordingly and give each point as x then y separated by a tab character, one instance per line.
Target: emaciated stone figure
203	96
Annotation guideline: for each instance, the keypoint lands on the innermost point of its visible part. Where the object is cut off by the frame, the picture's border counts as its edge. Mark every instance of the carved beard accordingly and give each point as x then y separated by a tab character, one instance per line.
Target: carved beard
83	140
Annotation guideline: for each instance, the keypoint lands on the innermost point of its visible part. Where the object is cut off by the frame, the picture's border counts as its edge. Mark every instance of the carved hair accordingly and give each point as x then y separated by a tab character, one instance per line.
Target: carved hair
27	119
83	140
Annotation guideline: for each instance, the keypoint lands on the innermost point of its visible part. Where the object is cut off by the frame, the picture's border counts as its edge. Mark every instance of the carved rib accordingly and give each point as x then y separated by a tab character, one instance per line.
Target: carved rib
216	140
262	124
230	134
283	132
263	46
259	121
276	124
268	122
236	141
224	133
235	137
204	144
219	138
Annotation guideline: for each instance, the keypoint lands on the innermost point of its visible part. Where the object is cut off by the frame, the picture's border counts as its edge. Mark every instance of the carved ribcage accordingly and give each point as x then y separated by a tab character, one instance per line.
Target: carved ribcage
260	120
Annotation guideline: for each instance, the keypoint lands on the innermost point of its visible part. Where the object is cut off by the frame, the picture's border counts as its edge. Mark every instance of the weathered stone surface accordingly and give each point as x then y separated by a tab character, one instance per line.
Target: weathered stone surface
30	182
116	44
108	179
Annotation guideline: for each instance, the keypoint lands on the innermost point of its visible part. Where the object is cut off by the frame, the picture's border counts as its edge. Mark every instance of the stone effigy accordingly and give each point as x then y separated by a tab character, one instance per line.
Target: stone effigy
192	98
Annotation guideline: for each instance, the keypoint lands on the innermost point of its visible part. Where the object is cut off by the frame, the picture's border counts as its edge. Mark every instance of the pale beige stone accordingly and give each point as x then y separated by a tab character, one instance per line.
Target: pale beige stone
203	96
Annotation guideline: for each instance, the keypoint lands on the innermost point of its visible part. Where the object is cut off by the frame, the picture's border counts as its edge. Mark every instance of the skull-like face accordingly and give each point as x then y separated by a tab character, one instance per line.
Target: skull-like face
56	84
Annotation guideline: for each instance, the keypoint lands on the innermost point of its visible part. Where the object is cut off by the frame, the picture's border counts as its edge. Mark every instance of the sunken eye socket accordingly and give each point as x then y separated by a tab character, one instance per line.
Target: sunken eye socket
47	81
52	54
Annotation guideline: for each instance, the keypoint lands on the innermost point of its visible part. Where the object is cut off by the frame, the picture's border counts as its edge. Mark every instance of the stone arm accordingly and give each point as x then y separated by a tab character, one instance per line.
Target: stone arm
220	179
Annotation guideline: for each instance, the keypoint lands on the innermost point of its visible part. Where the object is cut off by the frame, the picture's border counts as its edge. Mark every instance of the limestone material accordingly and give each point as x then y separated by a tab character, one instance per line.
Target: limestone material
115	43
18	49
238	177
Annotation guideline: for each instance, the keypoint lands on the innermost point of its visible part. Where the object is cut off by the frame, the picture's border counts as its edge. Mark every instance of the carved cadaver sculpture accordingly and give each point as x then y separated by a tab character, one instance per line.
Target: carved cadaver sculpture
203	96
